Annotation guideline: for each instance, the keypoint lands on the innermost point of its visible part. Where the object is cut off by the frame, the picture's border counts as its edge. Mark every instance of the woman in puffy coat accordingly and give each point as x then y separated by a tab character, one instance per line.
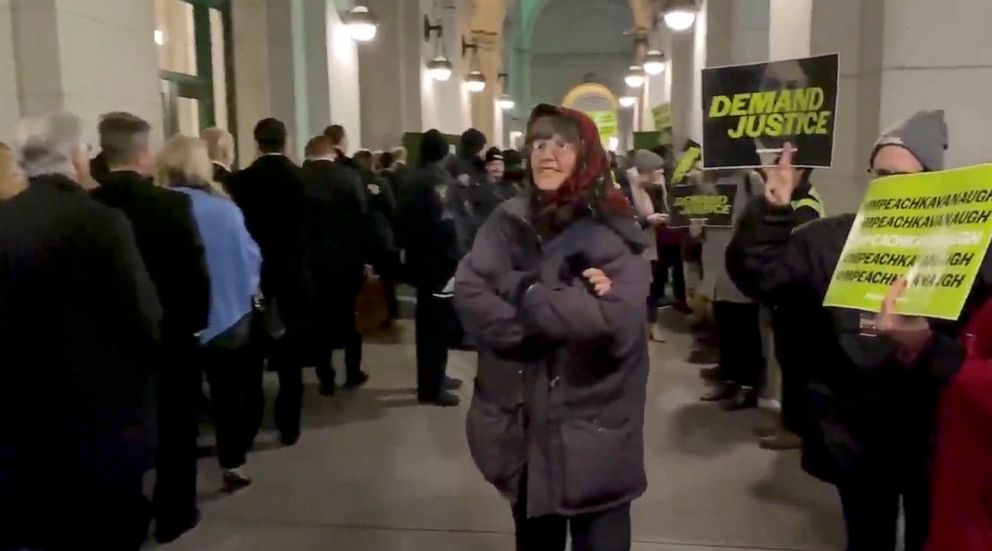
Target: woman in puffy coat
553	292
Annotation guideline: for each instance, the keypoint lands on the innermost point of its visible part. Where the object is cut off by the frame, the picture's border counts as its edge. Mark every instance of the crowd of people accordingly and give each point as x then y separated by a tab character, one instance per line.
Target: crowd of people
127	278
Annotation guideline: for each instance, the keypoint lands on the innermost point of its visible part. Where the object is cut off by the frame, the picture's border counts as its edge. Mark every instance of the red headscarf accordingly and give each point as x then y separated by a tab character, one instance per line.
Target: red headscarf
591	182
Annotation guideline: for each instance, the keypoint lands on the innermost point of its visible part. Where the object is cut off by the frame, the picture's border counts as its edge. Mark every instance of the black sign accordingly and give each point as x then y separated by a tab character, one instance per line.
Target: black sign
750	111
712	203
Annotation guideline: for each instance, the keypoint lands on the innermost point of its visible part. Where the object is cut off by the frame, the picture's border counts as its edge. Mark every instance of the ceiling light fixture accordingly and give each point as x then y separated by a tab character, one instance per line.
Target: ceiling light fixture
628	101
505	102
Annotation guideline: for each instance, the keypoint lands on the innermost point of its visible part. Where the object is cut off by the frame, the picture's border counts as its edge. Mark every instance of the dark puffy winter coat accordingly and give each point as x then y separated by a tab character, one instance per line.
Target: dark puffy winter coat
875	414
562	374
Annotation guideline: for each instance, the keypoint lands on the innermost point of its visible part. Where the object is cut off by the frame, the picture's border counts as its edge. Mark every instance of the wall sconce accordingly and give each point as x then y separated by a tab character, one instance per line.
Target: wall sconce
466	46
361	24
654	62
679	14
440	67
635	76
475	81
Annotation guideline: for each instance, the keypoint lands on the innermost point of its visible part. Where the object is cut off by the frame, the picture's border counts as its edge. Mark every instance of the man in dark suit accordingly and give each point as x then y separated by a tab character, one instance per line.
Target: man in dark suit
270	194
337	223
80	319
171	247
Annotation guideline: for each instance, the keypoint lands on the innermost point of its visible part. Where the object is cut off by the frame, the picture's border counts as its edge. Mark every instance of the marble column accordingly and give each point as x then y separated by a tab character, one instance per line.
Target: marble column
10	109
938	55
60	48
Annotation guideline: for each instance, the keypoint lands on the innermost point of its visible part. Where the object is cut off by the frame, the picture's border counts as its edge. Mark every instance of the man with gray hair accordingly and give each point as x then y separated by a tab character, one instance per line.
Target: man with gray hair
79	317
172	250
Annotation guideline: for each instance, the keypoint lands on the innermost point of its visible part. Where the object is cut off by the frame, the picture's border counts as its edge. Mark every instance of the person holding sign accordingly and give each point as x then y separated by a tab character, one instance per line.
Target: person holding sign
646	177
874	381
738	321
553	292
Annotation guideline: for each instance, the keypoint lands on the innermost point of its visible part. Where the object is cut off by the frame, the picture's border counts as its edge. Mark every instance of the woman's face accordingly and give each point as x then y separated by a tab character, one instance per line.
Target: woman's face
552	160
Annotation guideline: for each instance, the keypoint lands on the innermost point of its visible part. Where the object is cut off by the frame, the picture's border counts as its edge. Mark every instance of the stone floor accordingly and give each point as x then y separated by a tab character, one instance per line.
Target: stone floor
376	471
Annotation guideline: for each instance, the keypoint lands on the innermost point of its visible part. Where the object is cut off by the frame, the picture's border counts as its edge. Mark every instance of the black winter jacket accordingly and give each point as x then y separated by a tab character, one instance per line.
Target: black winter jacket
428	227
562	374
170	246
875	413
336	219
270	195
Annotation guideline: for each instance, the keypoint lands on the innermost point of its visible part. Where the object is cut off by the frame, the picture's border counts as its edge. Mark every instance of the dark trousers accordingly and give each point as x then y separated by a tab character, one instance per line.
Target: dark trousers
742	360
285	358
796	414
433	326
388	268
334	328
871	512
602	531
236	399
657	292
669	258
180	381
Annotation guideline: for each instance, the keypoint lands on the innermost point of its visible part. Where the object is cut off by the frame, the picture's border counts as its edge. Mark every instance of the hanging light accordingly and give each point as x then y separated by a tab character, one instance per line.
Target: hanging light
635	76
505	102
627	101
159	37
439	68
475	81
654	62
680	14
361	24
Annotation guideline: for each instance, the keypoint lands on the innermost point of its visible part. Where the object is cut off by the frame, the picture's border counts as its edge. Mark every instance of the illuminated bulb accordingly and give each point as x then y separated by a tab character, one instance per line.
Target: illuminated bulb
505	102
628	101
635	77
160	37
680	19
361	24
475	82
439	68
654	62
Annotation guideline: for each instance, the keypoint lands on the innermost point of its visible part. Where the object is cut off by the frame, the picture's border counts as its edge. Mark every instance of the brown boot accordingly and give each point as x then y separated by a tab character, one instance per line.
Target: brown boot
782	441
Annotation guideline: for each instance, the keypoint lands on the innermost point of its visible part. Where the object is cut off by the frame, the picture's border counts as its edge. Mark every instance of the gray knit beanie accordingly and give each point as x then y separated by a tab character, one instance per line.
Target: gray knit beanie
647	161
924	135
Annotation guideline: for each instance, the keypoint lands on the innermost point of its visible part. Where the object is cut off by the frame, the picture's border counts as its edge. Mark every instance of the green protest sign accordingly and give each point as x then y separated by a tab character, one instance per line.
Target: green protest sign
688	159
713	204
933	229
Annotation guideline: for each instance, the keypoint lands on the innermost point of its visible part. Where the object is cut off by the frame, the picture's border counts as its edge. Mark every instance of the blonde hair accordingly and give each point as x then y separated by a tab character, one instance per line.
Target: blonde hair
11	182
184	162
220	144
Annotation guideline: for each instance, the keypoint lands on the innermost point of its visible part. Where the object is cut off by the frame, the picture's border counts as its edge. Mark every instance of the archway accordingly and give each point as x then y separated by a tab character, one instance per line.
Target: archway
602	106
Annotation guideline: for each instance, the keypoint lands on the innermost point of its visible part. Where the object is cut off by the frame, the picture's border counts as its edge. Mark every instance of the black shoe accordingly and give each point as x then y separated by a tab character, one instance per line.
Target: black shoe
290	438
450	383
358	380
235	480
168	531
745	398
720	392
327	390
445	399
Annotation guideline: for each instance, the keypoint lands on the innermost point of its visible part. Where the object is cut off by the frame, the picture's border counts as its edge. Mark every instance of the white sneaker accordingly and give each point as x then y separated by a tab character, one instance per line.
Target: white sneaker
657	335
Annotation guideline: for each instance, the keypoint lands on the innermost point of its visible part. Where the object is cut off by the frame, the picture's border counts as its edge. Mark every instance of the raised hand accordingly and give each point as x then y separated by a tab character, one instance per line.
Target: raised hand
781	180
909	332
